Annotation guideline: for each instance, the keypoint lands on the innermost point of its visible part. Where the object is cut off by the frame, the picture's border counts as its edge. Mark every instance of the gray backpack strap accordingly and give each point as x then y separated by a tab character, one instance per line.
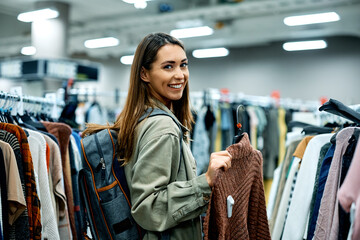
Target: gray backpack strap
150	112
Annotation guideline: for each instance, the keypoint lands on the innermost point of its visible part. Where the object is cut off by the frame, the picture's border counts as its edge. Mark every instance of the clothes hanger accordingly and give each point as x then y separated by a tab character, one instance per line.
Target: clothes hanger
308	130
3	119
240	134
338	108
8	110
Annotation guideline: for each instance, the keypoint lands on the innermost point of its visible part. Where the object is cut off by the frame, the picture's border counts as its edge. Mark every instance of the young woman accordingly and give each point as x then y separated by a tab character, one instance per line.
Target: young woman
165	199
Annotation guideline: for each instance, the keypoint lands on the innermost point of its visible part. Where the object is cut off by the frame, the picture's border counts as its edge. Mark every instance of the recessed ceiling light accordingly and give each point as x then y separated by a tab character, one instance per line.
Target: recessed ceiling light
127	60
41	14
311	19
210	52
102	42
304	45
29	50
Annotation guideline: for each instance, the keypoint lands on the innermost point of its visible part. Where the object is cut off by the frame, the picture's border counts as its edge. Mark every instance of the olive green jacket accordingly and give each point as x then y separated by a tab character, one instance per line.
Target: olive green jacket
162	197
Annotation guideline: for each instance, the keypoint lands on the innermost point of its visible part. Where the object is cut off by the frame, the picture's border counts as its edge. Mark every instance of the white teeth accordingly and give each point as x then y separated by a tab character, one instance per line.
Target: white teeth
175	86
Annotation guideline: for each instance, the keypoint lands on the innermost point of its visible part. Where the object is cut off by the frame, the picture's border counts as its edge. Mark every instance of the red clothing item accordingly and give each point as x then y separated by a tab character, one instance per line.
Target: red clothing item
47	157
32	199
244	182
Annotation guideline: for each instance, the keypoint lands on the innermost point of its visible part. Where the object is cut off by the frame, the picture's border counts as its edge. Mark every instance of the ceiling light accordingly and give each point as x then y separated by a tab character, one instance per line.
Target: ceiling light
102	42
210	52
192	32
305	45
41	14
311	19
30	50
134	1
141	4
127	60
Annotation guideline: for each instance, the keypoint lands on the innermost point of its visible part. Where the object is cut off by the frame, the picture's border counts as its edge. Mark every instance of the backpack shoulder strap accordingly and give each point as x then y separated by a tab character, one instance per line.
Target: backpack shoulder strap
150	112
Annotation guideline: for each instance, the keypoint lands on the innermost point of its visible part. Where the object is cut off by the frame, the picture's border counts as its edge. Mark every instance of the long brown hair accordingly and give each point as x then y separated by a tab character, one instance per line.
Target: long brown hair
139	96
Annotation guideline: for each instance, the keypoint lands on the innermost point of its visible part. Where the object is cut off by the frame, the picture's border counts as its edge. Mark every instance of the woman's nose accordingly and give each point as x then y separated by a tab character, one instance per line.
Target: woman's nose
179	73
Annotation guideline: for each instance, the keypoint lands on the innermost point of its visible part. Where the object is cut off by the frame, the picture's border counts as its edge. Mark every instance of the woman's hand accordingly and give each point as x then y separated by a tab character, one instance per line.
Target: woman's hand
218	160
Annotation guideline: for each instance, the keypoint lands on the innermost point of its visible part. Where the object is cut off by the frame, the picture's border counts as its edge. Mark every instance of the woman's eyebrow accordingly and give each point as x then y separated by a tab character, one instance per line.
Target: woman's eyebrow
171	61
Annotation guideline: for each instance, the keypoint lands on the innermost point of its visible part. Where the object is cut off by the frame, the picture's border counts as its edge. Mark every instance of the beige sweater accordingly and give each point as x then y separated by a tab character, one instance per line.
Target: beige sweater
244	182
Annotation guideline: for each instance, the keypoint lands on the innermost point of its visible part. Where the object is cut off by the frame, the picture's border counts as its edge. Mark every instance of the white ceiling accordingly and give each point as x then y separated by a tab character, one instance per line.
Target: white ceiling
246	23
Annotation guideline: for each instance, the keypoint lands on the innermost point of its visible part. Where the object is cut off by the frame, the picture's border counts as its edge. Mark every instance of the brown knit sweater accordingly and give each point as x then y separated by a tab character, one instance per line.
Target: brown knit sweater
244	182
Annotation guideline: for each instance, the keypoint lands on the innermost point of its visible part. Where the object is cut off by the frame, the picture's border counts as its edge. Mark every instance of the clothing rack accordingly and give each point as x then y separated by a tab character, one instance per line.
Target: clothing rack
29	99
18	103
215	95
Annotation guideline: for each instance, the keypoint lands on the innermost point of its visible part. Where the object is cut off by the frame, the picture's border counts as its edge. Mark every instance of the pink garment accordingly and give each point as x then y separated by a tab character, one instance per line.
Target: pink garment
327	225
350	191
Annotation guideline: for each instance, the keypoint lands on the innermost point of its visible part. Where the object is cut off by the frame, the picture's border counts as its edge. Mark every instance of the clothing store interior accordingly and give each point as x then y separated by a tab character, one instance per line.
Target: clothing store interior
285	73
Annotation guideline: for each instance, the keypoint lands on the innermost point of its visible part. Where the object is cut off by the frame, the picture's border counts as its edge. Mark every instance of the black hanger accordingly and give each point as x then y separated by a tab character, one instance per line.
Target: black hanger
316	130
2	117
336	107
240	134
26	118
8	117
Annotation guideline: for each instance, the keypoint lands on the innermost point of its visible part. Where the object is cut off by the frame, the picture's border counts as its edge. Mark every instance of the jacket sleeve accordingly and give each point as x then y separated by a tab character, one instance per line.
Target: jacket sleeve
157	202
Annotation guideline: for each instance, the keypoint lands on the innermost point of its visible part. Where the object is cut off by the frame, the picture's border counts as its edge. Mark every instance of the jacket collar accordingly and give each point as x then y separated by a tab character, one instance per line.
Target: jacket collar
162	106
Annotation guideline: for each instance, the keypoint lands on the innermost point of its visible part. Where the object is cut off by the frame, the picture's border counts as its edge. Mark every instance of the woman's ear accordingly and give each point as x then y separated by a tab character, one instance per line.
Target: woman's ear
144	75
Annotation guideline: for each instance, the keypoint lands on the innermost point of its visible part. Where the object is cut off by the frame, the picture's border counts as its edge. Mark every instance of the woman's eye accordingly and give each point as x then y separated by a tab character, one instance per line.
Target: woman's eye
167	67
184	64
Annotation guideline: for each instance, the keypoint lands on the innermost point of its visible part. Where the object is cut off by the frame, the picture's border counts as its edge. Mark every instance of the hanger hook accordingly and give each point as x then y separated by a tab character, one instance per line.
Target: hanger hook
242	108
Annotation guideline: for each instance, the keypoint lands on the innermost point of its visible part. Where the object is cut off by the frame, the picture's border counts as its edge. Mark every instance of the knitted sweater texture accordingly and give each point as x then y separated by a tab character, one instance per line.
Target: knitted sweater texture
244	182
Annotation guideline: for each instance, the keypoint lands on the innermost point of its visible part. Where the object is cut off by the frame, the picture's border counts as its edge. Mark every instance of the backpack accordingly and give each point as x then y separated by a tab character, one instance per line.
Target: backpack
104	193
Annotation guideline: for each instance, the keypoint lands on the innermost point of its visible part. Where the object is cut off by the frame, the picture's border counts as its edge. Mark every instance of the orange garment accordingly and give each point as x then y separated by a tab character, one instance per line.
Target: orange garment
300	149
47	157
31	196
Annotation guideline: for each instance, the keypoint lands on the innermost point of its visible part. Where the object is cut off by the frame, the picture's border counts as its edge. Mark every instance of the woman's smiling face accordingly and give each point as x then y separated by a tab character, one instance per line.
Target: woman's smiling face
168	74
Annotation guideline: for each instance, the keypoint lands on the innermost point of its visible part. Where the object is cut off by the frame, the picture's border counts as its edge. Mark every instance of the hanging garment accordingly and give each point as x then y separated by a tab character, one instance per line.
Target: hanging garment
283	175
75	162
282	134
274	187
271	148
328	220
1	236
31	196
200	144
37	146
20	229
289	173
254	122
322	155
218	139
227	126
324	171
297	218
56	173
349	192
279	221
344	217
244	182
260	113
4	213
62	132
15	195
